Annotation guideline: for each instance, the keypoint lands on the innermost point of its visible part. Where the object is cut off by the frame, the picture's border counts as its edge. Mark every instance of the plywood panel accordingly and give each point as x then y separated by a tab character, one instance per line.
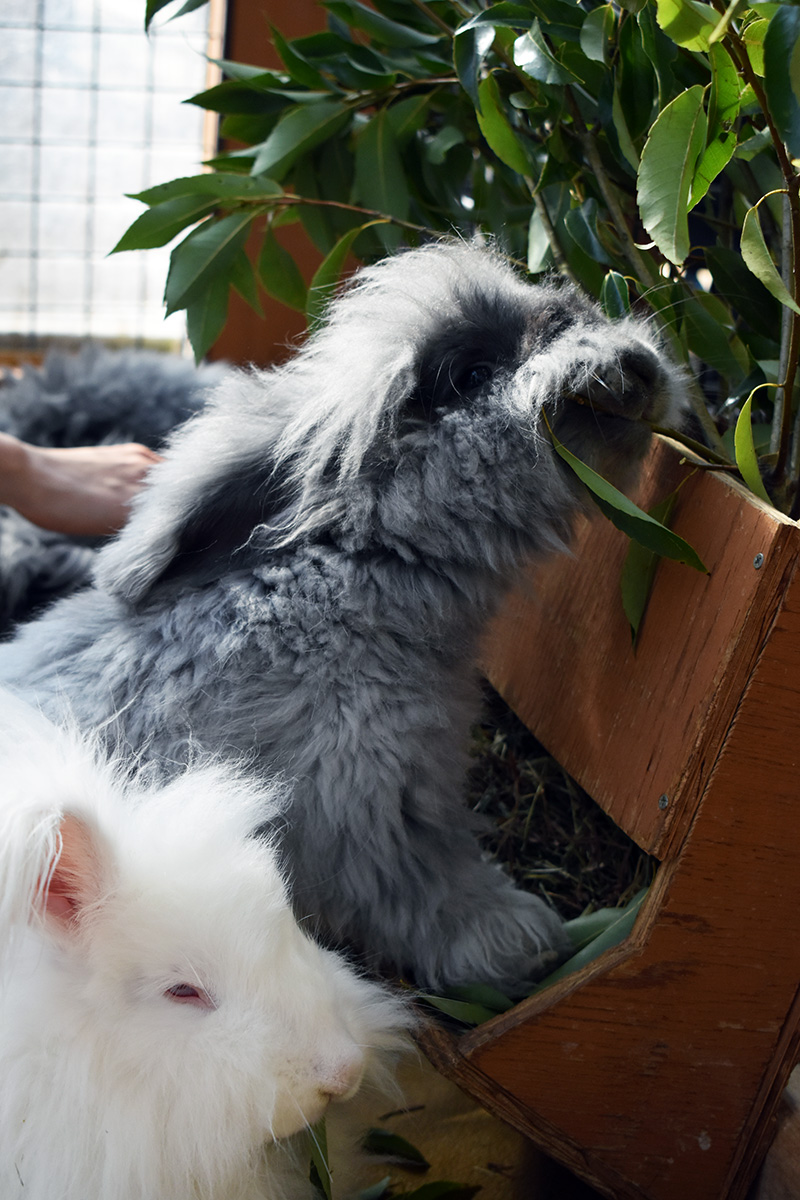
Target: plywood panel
635	727
656	1071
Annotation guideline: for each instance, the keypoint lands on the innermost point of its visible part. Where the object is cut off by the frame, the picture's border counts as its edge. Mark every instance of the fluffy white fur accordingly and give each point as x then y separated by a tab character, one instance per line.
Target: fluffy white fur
163	1018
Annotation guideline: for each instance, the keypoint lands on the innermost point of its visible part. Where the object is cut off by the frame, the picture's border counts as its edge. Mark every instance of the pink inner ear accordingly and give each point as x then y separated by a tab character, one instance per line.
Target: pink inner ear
77	877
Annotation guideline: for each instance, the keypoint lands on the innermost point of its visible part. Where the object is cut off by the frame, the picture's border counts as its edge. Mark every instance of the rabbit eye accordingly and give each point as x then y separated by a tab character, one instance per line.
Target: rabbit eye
443	385
472	377
187	993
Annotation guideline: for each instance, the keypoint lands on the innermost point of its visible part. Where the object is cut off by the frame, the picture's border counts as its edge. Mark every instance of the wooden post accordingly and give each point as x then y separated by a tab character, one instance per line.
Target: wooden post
656	1071
248	337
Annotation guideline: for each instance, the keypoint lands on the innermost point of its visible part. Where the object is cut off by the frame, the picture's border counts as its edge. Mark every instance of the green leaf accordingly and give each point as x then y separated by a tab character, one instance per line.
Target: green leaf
317	220
709	339
237	70
583	930
512	16
326	277
742	291
667	169
639	569
635	78
279	274
540	254
615	297
746	459
597	33
437	148
222	186
155	6
380	179
618	928
318	1150
264	96
626	146
626	515
299	69
384	31
407	116
581	224
532	55
163	222
753	38
483	994
757	257
393	1148
724	101
782	74
376	1192
189	6
460	1010
495	127
206	316
470	47
661	52
204	254
298	131
243	279
712	162
752	146
687	22
366	69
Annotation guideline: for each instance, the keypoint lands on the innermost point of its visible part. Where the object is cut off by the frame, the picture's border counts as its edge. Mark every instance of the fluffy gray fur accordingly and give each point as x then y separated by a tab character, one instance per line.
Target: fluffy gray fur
90	398
306	579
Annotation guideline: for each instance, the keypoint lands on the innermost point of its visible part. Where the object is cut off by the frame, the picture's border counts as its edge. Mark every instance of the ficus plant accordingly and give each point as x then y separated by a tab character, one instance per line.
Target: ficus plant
645	148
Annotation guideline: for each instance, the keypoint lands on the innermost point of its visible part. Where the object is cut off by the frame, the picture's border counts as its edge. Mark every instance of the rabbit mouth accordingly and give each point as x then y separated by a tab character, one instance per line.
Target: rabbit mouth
600	409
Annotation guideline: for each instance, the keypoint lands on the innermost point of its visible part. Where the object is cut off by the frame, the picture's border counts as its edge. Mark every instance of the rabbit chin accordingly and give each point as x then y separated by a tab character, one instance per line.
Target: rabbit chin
290	1117
335	1078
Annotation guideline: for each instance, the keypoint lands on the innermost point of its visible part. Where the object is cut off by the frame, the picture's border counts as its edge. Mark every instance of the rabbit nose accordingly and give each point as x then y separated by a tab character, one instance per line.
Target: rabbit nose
339	1079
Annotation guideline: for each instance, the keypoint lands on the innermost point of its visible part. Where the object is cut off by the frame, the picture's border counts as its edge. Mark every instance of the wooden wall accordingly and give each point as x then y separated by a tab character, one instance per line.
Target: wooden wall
248	337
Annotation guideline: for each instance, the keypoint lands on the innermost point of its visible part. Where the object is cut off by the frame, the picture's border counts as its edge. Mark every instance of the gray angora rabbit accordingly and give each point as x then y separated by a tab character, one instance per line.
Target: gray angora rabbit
307	578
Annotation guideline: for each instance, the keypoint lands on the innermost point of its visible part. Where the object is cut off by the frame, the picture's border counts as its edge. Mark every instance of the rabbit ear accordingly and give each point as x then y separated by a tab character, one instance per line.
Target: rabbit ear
192	521
78	877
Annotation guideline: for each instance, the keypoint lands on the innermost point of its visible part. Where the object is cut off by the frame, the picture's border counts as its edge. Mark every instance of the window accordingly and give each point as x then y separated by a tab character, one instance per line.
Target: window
90	108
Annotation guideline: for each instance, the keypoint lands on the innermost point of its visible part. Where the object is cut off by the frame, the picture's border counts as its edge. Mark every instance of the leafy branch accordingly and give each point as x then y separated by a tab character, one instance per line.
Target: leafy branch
646	150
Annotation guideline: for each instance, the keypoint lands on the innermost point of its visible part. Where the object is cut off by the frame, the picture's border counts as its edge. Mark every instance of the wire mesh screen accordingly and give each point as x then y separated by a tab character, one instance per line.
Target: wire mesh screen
90	108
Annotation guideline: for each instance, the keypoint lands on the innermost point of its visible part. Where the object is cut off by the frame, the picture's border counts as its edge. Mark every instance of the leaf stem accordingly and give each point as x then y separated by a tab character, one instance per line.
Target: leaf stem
434	17
712	456
641	267
288	200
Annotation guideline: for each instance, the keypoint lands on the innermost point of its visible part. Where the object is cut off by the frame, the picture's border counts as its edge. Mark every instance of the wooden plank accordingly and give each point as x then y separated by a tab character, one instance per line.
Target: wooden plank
649	726
248	337
660	1075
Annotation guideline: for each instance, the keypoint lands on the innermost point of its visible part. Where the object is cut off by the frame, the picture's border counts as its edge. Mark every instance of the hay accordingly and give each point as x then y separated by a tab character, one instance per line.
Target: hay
549	835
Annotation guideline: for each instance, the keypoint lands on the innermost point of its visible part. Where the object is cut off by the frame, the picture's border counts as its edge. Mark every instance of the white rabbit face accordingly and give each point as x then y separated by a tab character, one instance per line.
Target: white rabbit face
204	974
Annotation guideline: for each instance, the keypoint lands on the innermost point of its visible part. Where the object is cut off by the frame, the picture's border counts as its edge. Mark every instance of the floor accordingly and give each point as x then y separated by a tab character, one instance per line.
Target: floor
463	1144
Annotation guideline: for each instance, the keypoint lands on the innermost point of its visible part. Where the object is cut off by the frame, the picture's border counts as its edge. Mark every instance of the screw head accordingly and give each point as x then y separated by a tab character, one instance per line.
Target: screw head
758	561
663	801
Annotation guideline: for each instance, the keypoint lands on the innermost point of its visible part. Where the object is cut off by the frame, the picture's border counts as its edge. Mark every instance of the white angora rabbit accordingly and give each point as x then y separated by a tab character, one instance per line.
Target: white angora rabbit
163	1019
